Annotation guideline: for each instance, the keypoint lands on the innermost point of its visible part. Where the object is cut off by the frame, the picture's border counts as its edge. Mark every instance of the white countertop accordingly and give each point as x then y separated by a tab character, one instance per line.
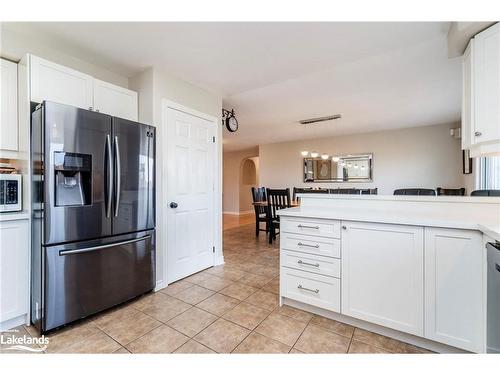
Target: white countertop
20	215
490	231
404	198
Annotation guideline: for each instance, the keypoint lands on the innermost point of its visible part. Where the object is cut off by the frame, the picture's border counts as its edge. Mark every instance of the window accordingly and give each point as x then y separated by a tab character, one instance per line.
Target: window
489	173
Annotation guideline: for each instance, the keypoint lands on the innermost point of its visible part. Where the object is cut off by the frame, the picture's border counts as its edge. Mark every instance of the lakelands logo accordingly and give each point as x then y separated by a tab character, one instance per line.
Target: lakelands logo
24	342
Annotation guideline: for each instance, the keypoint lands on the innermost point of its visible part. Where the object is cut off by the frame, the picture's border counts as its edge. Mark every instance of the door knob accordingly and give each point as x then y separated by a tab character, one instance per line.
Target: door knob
173	205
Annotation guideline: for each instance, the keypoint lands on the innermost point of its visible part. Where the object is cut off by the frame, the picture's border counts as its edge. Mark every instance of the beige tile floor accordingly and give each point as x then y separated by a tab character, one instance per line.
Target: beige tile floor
226	309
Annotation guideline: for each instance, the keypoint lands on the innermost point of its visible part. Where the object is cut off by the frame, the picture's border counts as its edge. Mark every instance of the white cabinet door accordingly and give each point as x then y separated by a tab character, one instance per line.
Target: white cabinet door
57	83
9	124
454	288
382	275
14	269
486	78
115	100
467	97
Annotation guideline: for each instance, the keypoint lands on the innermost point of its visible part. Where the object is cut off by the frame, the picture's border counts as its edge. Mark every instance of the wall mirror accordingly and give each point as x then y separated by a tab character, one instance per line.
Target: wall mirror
339	168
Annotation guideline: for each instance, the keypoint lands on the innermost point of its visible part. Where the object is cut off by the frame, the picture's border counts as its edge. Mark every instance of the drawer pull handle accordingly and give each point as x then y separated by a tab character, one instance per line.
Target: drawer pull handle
308	264
306	245
308	226
309	290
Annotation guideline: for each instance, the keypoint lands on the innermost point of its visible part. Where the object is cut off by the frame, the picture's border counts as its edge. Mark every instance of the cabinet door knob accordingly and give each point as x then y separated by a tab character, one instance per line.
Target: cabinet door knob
344	227
173	205
478	134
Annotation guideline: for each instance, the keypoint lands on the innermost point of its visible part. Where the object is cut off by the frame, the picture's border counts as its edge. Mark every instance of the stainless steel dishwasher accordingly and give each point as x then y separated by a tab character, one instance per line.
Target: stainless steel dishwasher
493	320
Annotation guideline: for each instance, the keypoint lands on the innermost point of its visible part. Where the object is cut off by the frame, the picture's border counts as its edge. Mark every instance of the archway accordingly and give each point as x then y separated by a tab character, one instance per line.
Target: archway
249	177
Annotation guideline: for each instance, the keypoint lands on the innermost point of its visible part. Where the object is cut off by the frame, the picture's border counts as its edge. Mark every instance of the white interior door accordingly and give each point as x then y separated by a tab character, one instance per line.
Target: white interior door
191	164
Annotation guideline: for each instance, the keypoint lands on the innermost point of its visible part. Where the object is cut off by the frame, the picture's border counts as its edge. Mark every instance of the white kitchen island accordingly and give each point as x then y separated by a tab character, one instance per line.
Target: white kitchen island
412	268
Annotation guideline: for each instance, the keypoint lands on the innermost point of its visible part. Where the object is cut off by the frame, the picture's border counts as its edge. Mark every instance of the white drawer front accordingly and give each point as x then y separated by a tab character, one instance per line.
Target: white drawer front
317	227
311	263
313	289
311	245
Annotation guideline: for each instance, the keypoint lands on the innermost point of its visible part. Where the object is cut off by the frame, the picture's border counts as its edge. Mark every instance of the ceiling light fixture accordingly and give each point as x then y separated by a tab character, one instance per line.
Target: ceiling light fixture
320	119
335	159
324	156
314	154
304	153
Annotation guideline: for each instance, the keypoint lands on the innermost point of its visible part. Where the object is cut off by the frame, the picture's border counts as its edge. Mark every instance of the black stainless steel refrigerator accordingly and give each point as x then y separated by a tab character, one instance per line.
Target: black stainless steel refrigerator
93	204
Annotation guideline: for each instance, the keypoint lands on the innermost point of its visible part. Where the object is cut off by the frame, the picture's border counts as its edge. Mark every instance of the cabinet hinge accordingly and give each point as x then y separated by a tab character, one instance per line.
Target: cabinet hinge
213	139
213	249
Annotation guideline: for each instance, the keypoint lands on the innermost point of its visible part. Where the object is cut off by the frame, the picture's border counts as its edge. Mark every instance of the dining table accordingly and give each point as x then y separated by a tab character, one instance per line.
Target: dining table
294	203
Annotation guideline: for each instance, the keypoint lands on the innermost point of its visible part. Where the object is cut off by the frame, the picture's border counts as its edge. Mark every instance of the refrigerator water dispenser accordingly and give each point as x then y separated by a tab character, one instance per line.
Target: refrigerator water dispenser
73	183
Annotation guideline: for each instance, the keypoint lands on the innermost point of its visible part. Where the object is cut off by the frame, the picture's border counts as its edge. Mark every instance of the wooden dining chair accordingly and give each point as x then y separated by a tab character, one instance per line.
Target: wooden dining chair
259	195
485	193
459	191
277	199
414	191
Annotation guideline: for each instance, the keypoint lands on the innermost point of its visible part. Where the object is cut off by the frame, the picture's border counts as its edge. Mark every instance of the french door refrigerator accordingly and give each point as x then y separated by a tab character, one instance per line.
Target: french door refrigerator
93	210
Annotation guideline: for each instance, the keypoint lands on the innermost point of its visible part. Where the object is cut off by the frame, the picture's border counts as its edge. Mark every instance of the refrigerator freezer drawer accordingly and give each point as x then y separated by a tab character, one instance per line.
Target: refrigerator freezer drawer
80	281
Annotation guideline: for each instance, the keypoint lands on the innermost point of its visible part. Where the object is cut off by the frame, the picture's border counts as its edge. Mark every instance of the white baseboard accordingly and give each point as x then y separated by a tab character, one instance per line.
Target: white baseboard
219	260
248	212
401	336
239	213
160	285
14	322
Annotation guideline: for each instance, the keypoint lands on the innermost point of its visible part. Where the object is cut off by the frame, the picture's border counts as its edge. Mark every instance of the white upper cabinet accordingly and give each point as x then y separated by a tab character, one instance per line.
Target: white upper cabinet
8	125
467	98
481	93
115	100
57	83
486	67
454	288
382	275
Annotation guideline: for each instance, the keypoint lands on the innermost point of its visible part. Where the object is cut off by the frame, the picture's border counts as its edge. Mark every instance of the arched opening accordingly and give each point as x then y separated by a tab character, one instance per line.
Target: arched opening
249	172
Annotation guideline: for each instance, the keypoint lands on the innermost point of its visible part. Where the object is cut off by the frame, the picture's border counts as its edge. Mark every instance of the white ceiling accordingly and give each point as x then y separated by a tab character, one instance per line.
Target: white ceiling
377	75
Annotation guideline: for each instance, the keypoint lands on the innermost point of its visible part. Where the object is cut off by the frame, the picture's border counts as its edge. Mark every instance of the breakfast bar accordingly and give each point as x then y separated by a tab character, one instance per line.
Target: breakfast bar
413	268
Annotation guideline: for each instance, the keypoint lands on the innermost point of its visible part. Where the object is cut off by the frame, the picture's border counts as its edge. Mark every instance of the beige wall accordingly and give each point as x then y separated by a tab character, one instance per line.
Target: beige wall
232	186
15	45
413	157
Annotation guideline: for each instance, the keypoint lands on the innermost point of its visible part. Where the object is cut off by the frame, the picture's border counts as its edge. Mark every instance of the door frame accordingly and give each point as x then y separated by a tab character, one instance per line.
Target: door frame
162	191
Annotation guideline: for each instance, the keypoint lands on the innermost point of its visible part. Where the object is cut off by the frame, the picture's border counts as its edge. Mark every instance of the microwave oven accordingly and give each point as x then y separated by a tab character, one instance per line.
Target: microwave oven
10	192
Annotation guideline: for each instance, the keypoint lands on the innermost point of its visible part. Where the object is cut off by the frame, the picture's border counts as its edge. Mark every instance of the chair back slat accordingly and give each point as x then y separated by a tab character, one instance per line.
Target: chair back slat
277	199
259	195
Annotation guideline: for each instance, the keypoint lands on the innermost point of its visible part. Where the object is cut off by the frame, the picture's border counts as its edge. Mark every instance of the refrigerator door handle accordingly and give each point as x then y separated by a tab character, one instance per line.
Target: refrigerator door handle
109	193
117	176
99	247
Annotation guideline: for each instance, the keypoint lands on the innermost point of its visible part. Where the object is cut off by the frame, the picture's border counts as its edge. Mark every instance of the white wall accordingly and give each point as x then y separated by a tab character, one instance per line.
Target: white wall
154	85
413	157
13	46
